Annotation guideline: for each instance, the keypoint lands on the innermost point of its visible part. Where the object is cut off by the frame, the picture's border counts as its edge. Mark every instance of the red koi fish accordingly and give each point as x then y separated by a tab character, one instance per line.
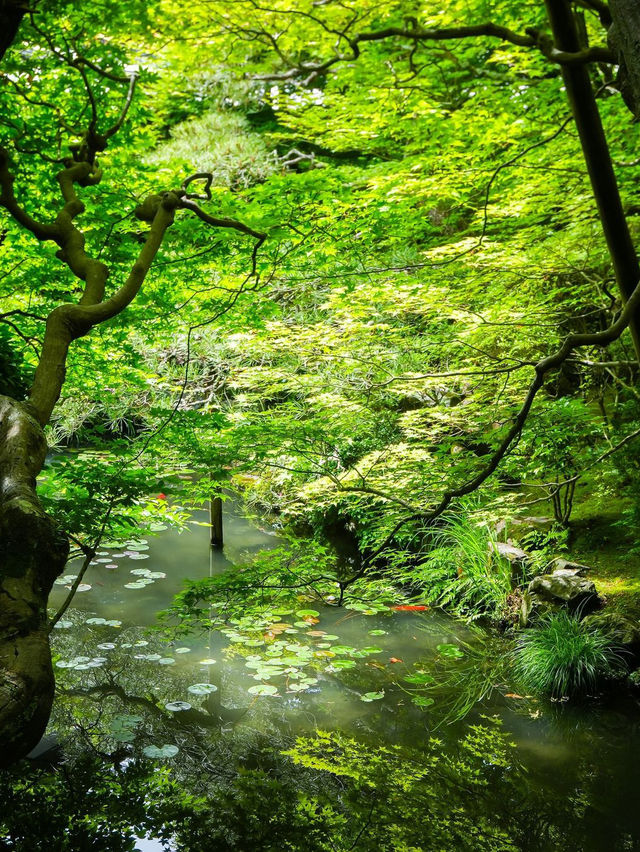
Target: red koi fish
410	608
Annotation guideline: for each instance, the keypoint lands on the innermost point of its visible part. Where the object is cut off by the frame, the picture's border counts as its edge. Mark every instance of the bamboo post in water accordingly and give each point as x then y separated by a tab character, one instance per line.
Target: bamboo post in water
215	520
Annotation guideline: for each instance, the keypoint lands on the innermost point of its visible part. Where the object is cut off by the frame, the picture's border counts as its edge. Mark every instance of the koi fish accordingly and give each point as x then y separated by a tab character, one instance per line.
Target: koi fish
410	608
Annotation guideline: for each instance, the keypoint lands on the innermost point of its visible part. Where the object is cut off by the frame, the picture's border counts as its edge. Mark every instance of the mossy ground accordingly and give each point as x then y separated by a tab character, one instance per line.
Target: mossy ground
600	540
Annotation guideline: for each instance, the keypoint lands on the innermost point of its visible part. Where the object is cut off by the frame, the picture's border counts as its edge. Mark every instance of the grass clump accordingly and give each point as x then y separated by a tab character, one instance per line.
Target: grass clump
463	572
564	657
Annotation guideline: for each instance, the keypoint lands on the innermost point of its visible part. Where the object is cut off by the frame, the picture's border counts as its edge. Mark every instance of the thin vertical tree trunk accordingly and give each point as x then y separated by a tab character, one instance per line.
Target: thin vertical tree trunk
215	519
597	157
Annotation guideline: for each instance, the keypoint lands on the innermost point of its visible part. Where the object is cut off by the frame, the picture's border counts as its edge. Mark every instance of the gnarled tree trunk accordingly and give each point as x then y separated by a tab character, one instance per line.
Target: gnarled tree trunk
32	554
624	39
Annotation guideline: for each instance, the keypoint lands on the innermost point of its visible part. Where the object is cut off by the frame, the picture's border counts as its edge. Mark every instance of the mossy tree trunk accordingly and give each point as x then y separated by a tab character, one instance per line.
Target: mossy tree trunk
624	39
32	554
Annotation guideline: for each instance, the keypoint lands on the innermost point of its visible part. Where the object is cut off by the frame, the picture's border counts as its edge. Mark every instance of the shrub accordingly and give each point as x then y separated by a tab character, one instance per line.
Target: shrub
463	572
566	657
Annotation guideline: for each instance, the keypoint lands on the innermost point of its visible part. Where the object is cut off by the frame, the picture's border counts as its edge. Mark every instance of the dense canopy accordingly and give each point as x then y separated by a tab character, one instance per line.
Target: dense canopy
368	268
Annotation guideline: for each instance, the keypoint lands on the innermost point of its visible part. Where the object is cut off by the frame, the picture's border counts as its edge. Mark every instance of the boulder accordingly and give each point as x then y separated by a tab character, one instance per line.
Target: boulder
563	588
520	560
560	564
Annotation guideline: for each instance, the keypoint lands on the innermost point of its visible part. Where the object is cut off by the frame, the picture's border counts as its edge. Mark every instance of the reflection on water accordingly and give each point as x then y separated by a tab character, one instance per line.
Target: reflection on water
573	782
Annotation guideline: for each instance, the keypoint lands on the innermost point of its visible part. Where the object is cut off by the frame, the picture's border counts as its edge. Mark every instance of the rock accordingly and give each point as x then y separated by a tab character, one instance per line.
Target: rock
565	587
532	605
520	560
560	564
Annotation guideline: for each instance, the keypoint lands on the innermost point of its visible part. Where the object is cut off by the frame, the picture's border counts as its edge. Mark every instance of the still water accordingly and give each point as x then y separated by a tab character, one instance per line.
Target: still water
214	707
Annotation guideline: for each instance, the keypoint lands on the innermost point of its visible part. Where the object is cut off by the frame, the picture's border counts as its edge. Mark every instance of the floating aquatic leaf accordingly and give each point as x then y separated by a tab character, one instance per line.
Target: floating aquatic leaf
343	649
202	688
422	701
63	625
112	566
307	613
113	622
263	689
182	650
372	696
156	575
177	706
141	572
267	673
106	646
297	687
153	658
372	649
64	581
448	650
138	556
340	664
207	662
165	751
96	621
420	678
83	587
377	632
137	585
166	661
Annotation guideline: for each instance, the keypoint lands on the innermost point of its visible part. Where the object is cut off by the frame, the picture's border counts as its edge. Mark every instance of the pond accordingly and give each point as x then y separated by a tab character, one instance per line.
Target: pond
211	741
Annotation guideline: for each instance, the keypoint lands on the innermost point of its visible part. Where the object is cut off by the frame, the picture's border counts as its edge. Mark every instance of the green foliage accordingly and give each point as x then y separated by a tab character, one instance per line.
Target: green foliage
463	571
564	657
413	802
218	143
14	381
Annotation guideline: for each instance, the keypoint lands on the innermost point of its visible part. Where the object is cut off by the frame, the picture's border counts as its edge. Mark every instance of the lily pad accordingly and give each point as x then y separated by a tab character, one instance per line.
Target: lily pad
421	678
166	661
372	696
165	751
263	689
448	650
207	662
177	706
202	688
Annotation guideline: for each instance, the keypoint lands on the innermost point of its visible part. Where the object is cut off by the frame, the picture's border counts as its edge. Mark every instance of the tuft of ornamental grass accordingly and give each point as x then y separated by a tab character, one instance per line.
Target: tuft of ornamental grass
564	657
